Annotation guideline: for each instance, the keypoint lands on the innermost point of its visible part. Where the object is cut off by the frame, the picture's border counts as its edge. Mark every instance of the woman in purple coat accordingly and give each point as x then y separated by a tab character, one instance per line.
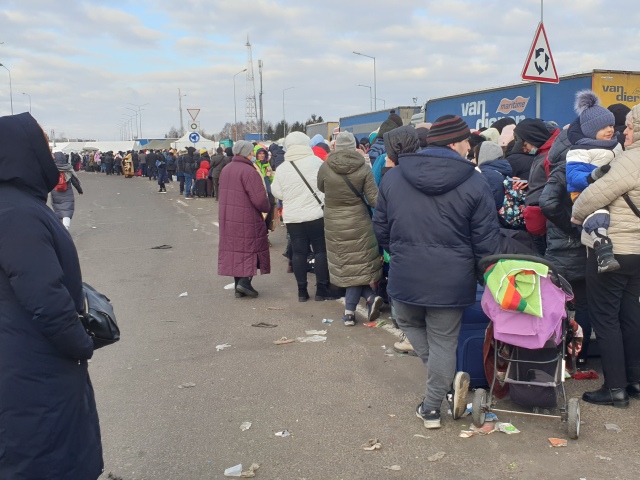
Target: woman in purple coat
243	247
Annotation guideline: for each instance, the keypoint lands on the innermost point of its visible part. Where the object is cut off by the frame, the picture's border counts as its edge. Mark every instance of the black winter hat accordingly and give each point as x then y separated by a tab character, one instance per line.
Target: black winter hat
503	122
448	129
533	131
393	116
620	112
422	132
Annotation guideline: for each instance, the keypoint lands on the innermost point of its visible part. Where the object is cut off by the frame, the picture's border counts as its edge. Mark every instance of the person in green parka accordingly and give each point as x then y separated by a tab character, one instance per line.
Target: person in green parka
352	249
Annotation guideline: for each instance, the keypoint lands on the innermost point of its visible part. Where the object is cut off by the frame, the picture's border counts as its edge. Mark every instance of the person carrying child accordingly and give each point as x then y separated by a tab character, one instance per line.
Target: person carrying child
594	146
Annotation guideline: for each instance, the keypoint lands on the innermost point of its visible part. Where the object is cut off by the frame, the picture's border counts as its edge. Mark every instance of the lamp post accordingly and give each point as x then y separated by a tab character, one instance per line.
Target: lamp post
129	121
180	95
235	108
29	100
136	114
284	117
375	93
384	103
10	87
370	98
140	112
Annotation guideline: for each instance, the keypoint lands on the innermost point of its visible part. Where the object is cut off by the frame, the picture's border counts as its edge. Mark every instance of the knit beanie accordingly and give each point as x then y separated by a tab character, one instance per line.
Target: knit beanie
423	133
491	134
345	141
489	151
532	131
243	148
620	111
593	116
503	122
448	129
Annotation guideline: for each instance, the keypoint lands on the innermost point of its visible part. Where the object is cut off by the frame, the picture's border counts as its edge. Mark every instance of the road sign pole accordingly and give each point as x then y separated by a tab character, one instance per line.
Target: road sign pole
538	100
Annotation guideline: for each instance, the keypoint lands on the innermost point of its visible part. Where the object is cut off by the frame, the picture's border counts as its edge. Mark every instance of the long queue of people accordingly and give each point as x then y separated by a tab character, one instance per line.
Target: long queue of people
405	215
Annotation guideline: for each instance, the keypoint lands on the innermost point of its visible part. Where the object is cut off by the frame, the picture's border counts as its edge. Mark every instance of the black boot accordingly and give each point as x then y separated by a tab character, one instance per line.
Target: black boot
244	286
328	292
604	254
633	390
303	294
616	397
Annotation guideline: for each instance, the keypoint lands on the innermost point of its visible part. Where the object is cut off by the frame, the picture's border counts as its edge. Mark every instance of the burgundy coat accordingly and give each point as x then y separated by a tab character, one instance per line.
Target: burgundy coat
243	232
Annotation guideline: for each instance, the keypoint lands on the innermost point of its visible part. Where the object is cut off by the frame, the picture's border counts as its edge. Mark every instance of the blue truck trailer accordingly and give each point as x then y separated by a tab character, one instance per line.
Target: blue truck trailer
554	102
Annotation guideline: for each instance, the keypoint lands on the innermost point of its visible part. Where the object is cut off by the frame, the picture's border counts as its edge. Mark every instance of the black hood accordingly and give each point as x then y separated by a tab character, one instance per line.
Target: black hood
25	158
559	149
401	140
435	170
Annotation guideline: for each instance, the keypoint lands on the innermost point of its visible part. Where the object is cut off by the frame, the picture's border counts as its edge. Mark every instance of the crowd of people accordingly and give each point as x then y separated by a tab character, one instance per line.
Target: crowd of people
402	218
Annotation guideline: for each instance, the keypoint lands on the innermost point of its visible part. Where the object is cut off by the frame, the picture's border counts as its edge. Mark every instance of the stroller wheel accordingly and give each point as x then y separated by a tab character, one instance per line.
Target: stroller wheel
478	412
574	419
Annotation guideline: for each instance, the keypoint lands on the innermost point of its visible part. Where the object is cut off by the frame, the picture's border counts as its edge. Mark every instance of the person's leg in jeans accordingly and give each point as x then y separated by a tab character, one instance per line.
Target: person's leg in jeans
181	179
351	299
187	184
299	253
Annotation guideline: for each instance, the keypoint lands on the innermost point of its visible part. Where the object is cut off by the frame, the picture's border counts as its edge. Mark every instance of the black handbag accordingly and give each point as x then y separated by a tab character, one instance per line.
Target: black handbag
98	317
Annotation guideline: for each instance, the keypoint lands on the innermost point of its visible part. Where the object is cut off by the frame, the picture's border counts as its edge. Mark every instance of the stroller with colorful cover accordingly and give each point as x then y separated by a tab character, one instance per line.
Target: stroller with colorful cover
525	298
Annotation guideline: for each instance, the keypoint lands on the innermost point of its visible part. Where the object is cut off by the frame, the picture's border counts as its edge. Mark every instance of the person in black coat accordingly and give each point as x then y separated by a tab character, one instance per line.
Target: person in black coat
564	248
495	169
48	419
436	217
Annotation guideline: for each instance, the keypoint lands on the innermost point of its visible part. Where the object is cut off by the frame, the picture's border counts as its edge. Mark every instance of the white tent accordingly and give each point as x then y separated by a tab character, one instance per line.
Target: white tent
184	142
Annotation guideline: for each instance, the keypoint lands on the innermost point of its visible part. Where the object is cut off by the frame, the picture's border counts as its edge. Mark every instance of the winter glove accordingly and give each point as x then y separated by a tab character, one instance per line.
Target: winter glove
598	173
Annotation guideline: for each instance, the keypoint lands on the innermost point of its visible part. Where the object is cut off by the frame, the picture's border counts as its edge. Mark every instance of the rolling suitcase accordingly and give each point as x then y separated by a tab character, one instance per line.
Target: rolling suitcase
470	342
201	188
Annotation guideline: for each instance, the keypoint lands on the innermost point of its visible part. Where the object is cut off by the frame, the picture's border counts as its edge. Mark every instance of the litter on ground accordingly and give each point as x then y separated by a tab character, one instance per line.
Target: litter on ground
264	325
245	426
372	444
183	294
187	385
395	468
612	427
283	341
283	433
234	471
222	346
312	339
315	332
251	472
327	320
506	428
437	456
557	442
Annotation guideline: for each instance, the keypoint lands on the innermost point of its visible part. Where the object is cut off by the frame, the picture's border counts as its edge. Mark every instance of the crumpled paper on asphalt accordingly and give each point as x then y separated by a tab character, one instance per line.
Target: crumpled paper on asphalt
372	444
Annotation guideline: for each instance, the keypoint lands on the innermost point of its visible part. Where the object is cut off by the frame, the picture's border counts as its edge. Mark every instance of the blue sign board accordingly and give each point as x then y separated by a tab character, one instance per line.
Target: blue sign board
194	137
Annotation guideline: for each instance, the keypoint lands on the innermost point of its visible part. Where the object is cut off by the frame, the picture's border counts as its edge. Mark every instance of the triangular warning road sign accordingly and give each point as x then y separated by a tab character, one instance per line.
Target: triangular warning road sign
193	112
540	66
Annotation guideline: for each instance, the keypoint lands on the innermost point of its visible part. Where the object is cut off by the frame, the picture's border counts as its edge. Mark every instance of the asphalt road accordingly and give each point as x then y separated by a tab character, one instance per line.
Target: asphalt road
333	397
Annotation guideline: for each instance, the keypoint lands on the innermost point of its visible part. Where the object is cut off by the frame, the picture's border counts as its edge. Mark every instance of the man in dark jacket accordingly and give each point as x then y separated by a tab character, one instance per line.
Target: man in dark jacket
48	419
564	248
378	147
436	218
142	160
217	162
189	172
152	171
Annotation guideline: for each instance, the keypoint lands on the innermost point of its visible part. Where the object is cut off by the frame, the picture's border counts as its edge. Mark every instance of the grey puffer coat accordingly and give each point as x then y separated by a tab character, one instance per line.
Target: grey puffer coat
63	203
564	248
352	249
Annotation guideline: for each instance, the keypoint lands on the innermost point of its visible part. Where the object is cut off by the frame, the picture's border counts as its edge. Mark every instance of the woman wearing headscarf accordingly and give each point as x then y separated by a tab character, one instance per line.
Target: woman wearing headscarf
243	247
62	199
48	419
352	249
612	298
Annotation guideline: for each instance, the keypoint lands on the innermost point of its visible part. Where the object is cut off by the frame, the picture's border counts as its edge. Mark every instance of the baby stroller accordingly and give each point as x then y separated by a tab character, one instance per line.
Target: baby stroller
525	299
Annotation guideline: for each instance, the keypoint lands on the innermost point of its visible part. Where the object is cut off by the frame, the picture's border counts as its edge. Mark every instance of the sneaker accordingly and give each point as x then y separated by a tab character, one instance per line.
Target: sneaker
459	396
349	320
404	346
373	308
431	419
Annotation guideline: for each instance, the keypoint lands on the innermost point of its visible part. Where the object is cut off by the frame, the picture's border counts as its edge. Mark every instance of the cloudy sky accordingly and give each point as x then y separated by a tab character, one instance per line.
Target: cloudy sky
84	62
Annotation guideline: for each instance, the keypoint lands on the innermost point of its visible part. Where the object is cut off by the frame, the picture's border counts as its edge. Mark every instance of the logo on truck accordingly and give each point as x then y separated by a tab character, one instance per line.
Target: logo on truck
518	104
622	94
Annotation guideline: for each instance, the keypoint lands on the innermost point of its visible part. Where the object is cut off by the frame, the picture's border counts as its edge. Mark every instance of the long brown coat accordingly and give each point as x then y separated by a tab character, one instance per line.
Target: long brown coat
352	248
243	232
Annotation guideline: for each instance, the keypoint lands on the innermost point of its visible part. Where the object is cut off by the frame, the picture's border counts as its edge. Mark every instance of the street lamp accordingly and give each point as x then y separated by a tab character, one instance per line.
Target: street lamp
384	103
136	114
235	108
375	93
284	118
180	95
140	112
29	100
10	87
129	121
370	98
